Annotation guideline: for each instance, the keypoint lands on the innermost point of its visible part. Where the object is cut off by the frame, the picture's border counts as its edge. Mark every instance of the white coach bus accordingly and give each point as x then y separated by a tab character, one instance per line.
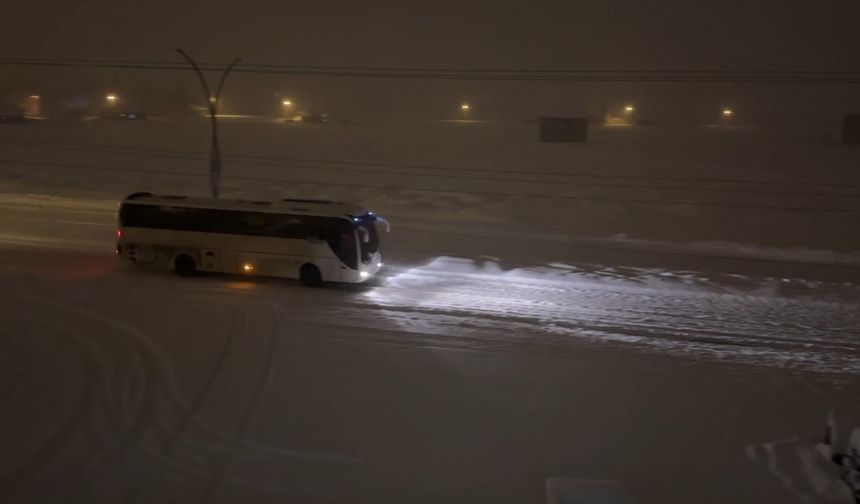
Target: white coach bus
312	240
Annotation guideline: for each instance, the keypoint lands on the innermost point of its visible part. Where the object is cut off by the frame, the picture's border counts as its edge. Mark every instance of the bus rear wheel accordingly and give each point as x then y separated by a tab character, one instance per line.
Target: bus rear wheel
184	265
310	276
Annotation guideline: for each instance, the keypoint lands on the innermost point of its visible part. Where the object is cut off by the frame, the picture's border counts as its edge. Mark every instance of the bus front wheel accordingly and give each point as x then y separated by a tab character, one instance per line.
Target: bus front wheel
184	265
310	276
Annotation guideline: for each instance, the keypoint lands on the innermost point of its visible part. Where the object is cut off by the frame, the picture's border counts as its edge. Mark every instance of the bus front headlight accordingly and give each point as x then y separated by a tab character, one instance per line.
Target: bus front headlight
364	274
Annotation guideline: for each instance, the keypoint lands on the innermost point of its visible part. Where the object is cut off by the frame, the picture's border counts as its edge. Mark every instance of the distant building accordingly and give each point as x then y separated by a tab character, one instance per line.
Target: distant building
563	129
306	117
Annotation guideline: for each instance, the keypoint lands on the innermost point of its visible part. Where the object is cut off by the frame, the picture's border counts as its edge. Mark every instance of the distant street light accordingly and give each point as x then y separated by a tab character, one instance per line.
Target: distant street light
111	99
287	103
727	112
629	108
34	97
465	107
212	99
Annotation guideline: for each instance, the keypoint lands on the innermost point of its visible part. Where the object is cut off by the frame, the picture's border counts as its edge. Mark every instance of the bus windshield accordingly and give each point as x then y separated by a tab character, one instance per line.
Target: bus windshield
368	237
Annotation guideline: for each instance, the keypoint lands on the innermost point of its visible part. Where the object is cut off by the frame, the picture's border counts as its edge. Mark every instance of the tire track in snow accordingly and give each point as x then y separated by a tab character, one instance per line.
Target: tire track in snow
652	320
29	470
237	321
111	441
754	328
655	317
95	400
216	484
160	372
228	441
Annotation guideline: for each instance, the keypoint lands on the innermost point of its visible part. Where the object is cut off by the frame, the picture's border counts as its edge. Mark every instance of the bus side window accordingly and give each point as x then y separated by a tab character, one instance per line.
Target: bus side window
253	222
273	225
292	226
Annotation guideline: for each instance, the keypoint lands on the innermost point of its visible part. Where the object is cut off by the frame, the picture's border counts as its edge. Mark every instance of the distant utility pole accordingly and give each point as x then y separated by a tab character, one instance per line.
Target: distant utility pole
212	101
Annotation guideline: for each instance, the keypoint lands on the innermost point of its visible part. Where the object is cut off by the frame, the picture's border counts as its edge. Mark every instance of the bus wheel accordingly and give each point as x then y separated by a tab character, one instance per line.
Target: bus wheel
310	276
184	265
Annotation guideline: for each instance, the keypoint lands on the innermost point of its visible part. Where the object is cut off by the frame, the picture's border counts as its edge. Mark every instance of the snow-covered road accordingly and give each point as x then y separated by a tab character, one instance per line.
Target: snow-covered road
222	389
479	302
465	303
500	349
557	306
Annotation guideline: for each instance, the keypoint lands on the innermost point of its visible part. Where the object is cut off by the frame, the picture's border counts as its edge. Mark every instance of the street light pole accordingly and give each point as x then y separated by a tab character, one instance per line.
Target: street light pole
212	101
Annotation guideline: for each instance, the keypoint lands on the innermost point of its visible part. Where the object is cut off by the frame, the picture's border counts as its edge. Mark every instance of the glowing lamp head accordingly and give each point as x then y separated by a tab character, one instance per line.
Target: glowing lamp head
465	107
629	108
248	267
286	103
727	112
111	98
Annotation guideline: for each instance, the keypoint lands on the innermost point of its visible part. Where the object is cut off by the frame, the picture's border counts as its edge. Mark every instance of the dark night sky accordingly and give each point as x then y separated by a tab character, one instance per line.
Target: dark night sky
619	34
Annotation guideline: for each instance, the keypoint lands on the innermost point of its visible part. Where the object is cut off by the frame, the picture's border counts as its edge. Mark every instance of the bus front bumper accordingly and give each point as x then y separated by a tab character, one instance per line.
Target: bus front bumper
369	270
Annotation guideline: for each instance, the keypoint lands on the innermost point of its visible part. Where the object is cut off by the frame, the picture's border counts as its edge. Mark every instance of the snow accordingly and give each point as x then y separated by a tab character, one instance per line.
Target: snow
664	311
572	491
514	346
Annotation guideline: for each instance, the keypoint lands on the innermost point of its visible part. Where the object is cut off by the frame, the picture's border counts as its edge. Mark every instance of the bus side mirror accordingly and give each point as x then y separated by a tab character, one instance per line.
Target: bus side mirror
382	220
